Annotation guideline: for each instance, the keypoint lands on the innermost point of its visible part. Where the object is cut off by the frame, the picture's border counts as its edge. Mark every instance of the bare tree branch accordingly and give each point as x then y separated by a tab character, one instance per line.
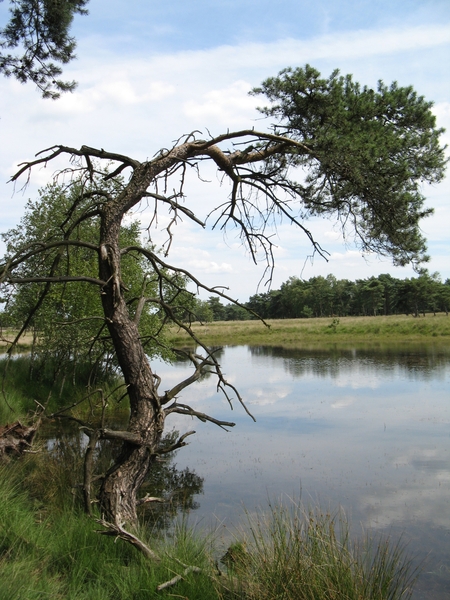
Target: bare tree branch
35	249
117	530
84	151
200	363
88	469
57	279
184	409
175	206
178	444
177	578
158	264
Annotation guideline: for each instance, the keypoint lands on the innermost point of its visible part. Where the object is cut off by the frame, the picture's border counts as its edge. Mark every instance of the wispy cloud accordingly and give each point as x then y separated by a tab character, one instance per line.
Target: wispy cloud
137	103
210	266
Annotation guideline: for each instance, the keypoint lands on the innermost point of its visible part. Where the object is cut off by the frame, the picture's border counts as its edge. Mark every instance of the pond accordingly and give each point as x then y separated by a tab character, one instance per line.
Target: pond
365	430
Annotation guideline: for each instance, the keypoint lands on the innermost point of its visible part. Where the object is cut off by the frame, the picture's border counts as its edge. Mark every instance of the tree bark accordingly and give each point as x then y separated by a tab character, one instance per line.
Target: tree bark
118	493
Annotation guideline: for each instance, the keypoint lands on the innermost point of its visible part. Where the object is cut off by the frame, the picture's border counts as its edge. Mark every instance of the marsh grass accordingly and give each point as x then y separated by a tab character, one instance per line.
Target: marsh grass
26	386
53	551
295	554
58	554
326	331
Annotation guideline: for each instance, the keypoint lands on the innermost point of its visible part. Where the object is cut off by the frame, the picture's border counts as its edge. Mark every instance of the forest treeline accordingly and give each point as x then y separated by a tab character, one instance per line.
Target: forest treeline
328	296
320	297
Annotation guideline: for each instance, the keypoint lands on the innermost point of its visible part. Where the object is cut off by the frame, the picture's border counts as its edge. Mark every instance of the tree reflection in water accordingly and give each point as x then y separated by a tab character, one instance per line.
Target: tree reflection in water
64	459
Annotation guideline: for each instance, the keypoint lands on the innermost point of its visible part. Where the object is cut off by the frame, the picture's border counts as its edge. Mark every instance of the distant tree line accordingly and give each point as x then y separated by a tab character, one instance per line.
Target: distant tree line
328	296
323	297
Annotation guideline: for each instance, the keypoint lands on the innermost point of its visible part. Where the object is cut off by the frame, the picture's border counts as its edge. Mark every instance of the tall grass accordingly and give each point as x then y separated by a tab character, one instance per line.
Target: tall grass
293	554
54	552
27	385
59	555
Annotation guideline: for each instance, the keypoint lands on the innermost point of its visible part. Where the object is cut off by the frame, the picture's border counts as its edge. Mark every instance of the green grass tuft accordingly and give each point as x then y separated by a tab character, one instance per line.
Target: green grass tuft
293	554
60	555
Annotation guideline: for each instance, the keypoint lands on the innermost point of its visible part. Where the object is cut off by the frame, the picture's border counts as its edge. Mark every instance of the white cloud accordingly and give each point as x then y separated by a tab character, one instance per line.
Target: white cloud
356	378
333	235
399	502
137	104
210	266
442	112
230	104
261	400
267	396
343	45
350	256
118	90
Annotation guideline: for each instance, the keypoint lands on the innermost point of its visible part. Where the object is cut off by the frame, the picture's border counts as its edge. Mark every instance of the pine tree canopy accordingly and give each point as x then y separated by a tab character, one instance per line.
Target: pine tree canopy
365	154
36	42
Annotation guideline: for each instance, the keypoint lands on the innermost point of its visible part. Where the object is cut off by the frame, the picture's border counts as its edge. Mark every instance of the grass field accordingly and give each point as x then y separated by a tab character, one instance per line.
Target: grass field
7	336
397	329
326	331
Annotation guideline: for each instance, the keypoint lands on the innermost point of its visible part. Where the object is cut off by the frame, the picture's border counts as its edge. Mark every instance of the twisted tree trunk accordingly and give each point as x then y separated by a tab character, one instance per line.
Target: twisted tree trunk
118	493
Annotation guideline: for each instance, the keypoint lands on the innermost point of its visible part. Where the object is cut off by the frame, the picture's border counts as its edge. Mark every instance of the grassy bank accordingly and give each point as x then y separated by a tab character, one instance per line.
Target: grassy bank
397	329
309	332
55	552
27	386
58	553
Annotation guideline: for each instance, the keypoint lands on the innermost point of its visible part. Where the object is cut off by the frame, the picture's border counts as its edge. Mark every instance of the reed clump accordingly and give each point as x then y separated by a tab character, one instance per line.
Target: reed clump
297	554
28	385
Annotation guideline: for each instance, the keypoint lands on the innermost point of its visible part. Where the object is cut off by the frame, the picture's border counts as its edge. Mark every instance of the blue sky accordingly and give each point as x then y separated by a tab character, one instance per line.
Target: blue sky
151	71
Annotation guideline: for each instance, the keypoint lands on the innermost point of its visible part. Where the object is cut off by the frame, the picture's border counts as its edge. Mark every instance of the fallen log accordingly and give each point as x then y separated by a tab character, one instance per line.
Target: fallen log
16	438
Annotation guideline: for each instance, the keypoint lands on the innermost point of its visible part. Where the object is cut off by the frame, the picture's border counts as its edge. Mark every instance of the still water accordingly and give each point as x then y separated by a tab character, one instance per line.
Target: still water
365	430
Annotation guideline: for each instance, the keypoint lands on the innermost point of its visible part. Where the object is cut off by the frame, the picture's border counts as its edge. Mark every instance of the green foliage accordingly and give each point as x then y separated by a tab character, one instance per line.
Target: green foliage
68	317
333	325
212	309
365	154
39	32
328	296
202	311
235	313
217	308
71	315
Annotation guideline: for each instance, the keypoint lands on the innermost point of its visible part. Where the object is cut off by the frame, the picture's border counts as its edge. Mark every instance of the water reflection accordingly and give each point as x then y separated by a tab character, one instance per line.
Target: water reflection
368	429
426	360
66	446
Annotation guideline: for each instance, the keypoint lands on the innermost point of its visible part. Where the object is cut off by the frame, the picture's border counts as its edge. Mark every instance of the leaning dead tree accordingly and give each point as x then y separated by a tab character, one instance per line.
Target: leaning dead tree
334	150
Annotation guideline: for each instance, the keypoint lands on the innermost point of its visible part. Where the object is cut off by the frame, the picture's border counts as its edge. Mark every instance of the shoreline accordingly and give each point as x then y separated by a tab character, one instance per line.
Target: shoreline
323	331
